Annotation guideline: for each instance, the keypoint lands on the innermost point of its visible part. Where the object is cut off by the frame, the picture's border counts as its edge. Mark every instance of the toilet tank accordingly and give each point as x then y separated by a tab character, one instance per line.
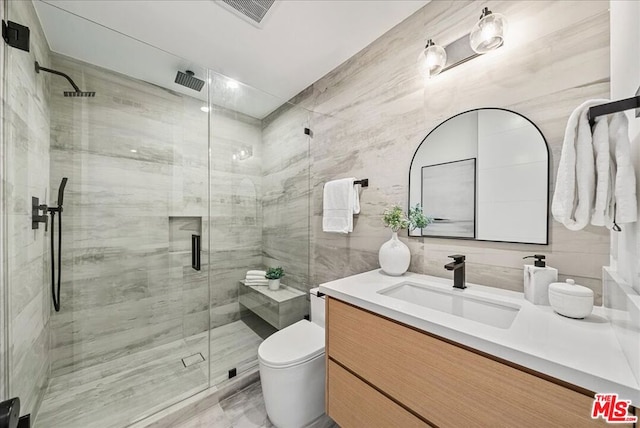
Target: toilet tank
317	307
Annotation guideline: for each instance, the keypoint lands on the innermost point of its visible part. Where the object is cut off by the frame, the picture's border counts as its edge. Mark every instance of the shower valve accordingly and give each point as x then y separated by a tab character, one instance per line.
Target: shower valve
36	217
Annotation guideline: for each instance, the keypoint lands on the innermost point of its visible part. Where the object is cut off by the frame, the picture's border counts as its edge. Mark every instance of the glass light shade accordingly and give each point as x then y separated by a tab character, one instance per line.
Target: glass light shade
488	33
432	60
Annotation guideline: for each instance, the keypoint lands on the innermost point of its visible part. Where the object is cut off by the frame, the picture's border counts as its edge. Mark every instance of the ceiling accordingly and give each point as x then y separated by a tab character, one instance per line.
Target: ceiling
297	42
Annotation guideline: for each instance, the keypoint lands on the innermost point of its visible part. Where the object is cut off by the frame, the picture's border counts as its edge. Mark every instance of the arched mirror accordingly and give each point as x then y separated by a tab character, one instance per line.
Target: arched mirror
484	175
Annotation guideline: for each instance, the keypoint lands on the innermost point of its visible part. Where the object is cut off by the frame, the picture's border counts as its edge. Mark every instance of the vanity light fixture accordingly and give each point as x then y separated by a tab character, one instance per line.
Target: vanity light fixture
487	34
432	60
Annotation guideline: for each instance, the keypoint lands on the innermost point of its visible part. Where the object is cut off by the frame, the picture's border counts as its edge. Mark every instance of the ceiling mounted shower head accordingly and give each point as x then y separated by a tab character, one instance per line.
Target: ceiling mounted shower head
79	94
187	79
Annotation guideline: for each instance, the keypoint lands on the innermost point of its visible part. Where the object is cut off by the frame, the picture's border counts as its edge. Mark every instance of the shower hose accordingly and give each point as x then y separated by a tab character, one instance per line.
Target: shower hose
56	294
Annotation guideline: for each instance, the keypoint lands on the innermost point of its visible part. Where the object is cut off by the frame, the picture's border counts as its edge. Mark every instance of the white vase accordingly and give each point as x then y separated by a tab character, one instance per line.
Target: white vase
274	284
394	256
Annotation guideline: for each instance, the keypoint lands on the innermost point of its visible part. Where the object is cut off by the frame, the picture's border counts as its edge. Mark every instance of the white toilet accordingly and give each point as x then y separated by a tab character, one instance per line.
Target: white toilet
292	370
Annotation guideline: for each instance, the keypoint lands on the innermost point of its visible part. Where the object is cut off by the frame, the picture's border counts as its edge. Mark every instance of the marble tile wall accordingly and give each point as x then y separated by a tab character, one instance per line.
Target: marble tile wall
374	110
26	110
285	199
137	155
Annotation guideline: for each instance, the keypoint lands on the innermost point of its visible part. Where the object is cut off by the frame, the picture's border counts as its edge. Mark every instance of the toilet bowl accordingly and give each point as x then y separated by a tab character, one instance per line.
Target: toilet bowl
292	370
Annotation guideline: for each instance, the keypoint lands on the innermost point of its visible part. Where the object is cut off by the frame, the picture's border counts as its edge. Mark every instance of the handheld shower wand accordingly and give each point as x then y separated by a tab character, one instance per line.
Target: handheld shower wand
61	192
55	293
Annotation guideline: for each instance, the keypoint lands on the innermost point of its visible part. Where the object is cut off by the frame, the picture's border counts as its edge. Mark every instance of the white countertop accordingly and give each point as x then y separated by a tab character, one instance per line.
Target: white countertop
584	352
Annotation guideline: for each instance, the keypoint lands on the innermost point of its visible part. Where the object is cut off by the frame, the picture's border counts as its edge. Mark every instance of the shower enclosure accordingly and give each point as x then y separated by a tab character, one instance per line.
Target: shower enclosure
172	195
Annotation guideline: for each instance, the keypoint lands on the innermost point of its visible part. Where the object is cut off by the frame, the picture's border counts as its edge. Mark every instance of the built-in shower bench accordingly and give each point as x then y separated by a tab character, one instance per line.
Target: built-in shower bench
279	308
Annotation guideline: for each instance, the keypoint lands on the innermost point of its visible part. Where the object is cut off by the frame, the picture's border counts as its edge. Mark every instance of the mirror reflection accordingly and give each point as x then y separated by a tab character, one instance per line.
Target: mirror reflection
484	175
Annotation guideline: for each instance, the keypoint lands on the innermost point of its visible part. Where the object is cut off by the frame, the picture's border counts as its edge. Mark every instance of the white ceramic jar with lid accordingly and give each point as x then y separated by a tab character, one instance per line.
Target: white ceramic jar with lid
570	299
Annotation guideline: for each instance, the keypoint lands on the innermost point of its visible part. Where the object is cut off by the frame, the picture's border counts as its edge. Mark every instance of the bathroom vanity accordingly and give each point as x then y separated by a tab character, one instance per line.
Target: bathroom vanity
410	351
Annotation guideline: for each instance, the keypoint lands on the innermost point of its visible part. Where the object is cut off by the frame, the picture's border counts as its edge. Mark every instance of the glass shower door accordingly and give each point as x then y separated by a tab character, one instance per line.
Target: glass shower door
134	294
131	336
259	219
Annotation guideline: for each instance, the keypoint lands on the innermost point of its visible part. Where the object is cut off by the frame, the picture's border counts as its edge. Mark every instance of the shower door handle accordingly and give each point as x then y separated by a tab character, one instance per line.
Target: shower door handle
195	252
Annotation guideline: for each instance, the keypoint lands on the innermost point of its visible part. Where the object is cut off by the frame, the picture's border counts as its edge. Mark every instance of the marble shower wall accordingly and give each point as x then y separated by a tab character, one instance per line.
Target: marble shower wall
26	110
137	155
123	291
285	200
374	110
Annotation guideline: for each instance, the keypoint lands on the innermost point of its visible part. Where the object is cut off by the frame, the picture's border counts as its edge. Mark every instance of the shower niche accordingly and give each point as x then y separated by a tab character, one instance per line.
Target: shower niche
181	230
185	236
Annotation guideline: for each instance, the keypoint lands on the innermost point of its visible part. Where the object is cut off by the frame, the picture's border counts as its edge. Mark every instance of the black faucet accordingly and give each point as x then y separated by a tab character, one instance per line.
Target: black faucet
457	266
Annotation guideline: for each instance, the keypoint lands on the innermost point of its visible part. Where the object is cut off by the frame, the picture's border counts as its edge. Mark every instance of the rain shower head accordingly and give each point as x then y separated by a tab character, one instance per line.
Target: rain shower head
76	93
79	94
187	79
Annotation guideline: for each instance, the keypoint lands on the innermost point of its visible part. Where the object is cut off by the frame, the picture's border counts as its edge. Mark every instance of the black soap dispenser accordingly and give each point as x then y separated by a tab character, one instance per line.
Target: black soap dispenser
537	279
539	262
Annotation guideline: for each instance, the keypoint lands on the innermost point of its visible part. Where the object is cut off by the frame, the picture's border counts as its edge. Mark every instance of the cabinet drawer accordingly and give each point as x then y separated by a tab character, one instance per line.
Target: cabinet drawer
447	385
353	403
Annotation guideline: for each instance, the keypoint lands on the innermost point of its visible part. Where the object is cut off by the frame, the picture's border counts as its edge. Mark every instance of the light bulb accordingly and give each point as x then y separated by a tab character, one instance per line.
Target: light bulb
204	109
242	153
232	84
488	33
432	60
234	157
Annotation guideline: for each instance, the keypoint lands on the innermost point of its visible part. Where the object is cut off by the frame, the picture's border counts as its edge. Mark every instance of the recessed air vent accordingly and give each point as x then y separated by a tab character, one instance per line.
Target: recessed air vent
254	10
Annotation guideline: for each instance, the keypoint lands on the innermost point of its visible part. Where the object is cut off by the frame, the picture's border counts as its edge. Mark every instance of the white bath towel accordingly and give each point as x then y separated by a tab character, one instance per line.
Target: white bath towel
340	202
254	277
256	282
603	205
256	272
575	183
626	204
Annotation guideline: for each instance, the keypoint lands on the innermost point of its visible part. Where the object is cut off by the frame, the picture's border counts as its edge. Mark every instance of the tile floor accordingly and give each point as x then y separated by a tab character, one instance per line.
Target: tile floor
116	393
244	409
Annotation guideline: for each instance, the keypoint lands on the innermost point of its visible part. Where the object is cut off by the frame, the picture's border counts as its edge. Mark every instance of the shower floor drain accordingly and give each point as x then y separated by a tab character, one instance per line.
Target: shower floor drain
192	359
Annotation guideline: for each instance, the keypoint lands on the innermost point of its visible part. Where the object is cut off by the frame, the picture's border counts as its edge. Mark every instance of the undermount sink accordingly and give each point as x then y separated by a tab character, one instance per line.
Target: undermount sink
455	302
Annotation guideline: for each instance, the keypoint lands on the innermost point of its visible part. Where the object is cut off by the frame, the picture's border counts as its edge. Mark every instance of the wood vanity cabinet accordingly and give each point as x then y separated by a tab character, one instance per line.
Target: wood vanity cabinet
381	373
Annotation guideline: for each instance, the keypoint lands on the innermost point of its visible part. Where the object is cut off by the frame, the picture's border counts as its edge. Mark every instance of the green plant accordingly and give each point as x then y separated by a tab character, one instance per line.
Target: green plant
395	218
417	218
274	273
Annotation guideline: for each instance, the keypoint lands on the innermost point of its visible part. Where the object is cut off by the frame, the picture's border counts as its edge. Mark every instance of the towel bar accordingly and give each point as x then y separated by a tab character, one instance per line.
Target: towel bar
615	107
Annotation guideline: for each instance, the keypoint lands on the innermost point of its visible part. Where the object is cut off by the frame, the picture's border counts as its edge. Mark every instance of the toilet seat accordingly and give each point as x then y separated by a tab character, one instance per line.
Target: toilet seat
293	345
